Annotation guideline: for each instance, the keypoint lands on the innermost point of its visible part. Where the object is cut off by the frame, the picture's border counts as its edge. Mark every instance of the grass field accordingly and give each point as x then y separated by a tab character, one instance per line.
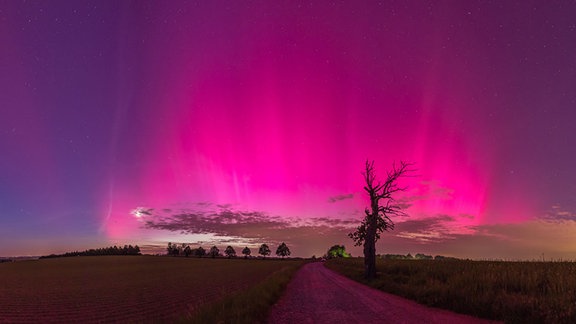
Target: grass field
516	292
137	288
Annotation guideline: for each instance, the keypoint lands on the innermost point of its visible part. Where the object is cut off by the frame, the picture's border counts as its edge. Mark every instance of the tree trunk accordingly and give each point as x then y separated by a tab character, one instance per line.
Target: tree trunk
369	258
370	241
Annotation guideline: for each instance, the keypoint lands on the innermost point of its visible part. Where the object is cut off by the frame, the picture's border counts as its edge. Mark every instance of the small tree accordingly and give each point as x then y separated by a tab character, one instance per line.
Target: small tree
187	250
200	252
337	251
264	250
283	250
246	251
230	252
173	249
214	252
382	206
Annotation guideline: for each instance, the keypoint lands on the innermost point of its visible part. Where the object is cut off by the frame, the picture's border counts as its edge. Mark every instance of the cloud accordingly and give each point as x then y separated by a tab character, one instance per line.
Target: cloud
308	236
431	229
445	235
229	225
337	198
451	235
558	213
224	222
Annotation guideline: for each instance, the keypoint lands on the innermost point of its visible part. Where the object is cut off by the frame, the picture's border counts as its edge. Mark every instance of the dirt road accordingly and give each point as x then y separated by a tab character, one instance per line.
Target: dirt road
319	295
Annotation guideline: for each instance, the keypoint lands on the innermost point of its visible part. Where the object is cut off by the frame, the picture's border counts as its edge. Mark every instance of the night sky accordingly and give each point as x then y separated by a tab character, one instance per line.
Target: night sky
249	122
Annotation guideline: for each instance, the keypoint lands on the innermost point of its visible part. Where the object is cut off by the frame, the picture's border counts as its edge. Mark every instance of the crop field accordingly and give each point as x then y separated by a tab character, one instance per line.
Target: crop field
516	292
124	288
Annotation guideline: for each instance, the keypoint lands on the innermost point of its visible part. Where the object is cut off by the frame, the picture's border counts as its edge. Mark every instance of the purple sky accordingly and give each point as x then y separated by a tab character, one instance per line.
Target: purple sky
229	122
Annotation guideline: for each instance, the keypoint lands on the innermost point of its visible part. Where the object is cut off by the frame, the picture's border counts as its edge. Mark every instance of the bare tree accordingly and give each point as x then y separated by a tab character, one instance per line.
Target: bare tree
382	206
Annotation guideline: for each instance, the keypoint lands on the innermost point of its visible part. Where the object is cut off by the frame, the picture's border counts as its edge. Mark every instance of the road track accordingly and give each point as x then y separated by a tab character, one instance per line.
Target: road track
319	295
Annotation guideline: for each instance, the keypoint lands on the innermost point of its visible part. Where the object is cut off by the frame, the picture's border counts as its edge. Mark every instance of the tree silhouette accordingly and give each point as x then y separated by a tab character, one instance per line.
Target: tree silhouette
173	249
337	251
214	252
377	218
187	250
283	250
230	252
246	251
264	250
200	252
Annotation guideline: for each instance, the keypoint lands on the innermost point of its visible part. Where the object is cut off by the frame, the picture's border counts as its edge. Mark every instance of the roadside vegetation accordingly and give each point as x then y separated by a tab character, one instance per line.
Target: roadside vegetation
250	305
516	292
337	251
141	289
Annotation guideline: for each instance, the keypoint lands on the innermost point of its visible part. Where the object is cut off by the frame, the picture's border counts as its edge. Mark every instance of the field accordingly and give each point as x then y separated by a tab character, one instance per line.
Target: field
516	292
135	288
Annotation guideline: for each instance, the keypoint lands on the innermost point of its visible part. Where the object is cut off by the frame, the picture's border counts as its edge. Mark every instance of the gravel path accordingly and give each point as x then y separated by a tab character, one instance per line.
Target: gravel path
319	295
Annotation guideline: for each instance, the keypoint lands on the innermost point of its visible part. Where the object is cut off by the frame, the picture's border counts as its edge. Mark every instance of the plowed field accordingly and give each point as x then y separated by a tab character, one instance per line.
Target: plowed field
120	288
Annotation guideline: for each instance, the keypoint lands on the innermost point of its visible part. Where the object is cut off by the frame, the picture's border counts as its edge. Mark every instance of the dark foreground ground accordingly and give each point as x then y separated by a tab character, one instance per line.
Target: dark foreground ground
123	289
319	295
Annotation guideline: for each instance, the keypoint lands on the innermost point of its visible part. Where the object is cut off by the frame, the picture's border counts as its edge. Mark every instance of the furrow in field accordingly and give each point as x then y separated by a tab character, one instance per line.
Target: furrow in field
120	289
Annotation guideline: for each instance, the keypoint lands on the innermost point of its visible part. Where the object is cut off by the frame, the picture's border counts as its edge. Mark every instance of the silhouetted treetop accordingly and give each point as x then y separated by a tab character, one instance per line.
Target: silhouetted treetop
337	251
246	251
214	252
264	250
283	250
230	252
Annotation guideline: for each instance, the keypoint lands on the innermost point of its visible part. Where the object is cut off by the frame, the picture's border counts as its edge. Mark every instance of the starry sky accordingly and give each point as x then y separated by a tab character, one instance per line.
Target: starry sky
249	122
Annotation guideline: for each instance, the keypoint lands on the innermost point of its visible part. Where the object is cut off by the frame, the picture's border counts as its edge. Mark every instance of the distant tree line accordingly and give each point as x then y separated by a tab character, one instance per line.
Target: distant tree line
418	256
339	251
186	250
113	250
